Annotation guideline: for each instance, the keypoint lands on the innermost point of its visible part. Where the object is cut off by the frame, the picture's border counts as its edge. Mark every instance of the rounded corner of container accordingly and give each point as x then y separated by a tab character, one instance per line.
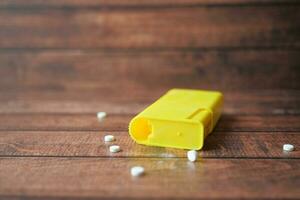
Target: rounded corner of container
199	147
201	137
220	94
172	90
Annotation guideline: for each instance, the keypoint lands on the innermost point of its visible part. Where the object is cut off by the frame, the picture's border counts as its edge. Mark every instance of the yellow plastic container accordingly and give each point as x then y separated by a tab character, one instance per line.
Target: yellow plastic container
181	118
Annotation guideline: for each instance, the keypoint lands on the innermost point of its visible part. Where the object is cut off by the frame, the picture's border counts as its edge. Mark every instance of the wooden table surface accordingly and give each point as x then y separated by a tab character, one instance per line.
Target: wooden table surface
62	61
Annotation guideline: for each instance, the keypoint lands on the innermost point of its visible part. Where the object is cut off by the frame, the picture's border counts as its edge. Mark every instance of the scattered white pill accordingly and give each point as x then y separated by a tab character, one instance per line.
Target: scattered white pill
192	155
101	115
137	171
288	147
109	138
114	148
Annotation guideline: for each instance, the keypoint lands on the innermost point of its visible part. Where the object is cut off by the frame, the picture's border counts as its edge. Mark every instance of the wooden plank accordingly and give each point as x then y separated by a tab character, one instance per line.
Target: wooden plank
21	106
90	144
271	123
110	178
89	122
251	97
120	3
261	102
152	27
96	70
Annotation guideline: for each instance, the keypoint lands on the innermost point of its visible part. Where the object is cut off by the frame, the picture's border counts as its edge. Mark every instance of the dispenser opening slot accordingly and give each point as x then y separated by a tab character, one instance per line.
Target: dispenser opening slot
140	129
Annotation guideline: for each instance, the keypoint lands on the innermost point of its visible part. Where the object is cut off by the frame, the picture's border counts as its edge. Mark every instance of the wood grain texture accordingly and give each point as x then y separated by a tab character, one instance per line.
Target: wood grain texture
127	3
147	70
261	102
152	28
91	144
63	61
285	97
110	178
89	122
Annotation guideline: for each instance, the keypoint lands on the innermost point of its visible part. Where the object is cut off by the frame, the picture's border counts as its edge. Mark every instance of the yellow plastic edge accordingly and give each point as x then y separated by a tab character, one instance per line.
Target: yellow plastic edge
181	118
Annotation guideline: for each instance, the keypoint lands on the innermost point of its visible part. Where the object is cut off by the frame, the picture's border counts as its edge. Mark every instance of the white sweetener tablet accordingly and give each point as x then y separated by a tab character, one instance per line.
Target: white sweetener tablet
101	115
109	138
192	155
288	147
137	171
114	148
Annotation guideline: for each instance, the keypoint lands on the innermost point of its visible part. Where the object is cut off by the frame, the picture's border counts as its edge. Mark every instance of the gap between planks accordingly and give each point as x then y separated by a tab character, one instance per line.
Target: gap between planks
89	76
167	158
91	144
115	122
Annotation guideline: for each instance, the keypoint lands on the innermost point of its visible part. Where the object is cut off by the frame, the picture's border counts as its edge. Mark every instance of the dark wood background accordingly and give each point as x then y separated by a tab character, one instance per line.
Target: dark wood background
62	61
